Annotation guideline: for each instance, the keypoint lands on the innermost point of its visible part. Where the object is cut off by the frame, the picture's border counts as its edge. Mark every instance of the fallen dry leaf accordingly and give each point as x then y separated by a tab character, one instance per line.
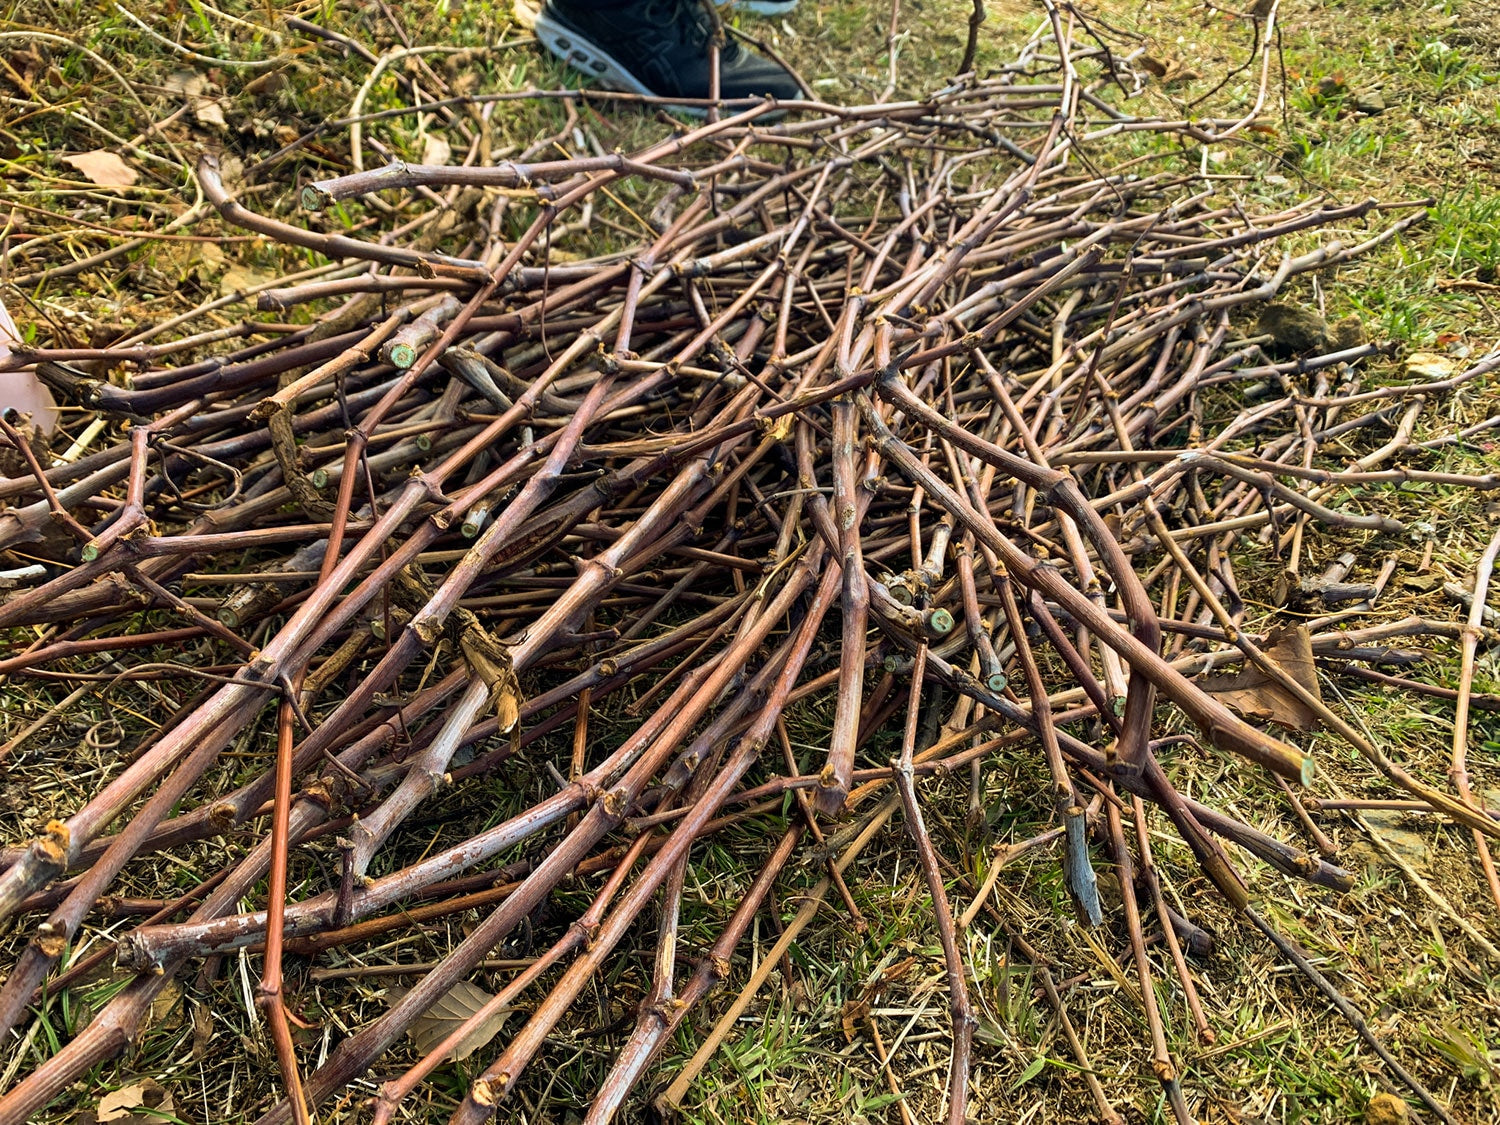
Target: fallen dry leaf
146	1095
1429	365
240	279
119	1103
448	1014
435	150
1258	696
852	1014
187	82
268	85
491	661
103	168
208	112
193	86
166	1009
209	262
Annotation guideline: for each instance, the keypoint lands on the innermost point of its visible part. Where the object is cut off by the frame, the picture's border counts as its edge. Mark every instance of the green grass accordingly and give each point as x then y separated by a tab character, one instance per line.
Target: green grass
1279	1054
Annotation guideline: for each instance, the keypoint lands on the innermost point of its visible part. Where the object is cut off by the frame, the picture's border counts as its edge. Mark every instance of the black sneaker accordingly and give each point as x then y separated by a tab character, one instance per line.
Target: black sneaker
655	47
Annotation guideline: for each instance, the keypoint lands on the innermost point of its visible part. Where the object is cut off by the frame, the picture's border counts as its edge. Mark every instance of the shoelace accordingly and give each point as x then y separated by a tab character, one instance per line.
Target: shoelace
689	21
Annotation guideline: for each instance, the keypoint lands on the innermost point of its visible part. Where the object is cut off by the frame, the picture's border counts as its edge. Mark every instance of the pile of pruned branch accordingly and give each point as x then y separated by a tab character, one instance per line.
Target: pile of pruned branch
901	402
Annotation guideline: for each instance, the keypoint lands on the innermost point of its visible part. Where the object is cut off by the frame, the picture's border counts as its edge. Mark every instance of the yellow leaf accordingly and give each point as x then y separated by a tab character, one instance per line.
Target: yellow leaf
1429	365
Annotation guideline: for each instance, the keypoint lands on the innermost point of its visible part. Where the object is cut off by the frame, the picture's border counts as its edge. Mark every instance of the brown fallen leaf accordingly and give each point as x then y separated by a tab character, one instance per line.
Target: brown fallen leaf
141	1101
490	660
26	65
119	1103
855	1012
203	1029
1258	696
1168	70
448	1013
852	1015
103	168
268	85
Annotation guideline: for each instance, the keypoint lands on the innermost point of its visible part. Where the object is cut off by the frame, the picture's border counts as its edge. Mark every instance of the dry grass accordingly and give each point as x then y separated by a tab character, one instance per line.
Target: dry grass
1279	1054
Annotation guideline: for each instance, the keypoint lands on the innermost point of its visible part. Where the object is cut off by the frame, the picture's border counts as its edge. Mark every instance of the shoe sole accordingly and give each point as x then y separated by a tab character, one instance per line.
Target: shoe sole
592	60
764	7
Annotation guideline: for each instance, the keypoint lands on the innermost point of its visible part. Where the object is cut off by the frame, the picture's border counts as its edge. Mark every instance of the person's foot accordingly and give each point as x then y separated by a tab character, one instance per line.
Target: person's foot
655	47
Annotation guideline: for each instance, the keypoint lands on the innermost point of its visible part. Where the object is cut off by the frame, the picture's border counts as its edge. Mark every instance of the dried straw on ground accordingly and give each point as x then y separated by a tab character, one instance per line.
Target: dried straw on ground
895	398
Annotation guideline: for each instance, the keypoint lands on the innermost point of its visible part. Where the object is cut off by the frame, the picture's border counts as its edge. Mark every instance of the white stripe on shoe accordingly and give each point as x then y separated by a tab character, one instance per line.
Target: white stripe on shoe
585	56
764	7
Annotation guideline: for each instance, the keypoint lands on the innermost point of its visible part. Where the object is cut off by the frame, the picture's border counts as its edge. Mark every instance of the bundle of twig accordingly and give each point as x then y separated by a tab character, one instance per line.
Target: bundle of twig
896	396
